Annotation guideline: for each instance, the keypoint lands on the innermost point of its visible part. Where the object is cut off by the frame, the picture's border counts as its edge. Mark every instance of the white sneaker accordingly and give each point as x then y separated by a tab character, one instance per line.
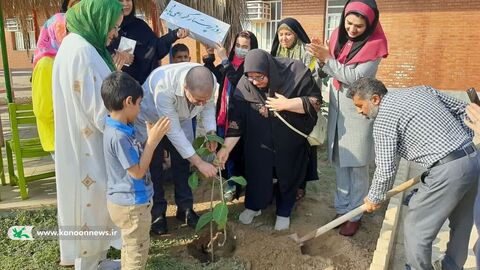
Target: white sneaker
109	265
246	217
282	223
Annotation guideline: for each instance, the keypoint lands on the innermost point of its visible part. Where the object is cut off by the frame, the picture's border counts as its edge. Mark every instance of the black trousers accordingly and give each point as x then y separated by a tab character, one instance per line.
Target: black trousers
180	172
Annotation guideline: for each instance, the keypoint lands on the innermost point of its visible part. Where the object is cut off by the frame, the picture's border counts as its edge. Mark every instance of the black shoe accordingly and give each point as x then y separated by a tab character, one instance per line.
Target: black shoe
159	225
187	216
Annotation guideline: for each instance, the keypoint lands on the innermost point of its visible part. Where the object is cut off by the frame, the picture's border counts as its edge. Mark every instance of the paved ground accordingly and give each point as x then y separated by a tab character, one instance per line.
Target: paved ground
439	246
41	192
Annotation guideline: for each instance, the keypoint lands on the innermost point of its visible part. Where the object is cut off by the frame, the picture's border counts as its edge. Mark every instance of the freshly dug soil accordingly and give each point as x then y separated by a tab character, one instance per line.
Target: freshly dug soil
258	246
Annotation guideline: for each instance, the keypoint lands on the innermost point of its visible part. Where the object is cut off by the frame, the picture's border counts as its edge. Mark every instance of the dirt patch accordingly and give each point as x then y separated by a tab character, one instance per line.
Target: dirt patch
258	246
200	248
263	248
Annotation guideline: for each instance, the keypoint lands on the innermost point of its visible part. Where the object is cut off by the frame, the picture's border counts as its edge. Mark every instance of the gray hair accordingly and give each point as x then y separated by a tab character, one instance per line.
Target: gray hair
199	79
365	88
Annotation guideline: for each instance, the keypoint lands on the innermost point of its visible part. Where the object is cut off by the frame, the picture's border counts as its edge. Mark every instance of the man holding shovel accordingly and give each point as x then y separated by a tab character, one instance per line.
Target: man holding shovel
421	124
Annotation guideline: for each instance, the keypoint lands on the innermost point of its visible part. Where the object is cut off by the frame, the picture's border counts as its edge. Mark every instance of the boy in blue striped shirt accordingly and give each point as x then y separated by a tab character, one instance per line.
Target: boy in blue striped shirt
129	188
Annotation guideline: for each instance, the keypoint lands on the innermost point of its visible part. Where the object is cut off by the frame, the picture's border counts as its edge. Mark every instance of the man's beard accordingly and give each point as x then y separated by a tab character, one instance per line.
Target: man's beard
372	111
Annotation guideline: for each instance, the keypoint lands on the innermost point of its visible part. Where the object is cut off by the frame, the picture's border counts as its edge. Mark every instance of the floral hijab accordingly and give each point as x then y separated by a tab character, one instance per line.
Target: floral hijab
50	38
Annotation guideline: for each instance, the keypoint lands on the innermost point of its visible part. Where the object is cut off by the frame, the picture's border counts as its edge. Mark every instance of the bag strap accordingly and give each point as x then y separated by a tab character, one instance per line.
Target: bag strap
283	119
289	125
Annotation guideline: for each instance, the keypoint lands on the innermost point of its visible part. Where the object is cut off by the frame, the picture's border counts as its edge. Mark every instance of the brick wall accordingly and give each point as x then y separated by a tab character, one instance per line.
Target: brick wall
16	59
431	42
19	59
310	14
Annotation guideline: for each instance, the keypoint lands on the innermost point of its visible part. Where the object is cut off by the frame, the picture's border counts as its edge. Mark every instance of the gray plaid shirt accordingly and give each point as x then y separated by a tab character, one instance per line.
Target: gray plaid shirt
419	124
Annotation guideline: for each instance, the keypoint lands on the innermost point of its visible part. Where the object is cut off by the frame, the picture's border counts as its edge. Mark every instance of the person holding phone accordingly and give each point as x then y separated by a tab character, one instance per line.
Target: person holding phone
473	122
423	125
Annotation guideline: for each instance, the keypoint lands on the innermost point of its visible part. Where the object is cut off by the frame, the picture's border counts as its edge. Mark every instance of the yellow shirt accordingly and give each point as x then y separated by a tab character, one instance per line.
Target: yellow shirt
43	102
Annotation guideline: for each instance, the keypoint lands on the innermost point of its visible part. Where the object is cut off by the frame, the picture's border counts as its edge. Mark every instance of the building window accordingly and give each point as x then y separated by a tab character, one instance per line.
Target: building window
22	43
263	19
334	14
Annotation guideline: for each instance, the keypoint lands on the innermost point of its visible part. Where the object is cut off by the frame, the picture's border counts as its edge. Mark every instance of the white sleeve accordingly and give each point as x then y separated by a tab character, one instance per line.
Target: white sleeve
347	74
165	104
208	116
88	84
209	111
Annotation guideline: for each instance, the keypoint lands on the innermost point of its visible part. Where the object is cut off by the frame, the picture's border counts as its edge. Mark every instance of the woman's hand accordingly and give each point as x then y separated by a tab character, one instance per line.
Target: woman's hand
321	52
222	157
182	33
210	50
121	58
278	103
221	51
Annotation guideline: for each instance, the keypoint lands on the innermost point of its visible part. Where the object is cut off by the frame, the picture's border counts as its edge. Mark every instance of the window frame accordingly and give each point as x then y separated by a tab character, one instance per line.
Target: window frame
265	30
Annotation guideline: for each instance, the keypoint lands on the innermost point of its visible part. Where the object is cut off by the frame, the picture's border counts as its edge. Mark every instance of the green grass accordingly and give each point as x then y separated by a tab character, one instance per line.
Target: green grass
44	254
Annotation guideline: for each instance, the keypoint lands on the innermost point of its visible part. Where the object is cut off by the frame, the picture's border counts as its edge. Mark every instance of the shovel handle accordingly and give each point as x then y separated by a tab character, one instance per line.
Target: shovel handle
357	211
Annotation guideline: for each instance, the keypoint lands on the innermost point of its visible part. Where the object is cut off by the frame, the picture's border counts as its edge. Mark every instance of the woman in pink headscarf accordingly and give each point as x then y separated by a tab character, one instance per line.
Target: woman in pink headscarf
51	35
355	50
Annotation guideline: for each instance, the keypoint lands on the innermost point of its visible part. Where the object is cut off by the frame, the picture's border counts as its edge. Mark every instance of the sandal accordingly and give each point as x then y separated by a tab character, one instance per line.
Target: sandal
300	194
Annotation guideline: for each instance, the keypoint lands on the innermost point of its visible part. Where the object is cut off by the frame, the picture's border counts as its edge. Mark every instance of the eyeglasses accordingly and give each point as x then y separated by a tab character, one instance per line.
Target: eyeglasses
117	28
258	78
194	100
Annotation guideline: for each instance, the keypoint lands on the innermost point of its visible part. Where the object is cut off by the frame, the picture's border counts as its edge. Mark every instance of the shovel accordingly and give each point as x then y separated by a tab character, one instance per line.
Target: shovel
355	212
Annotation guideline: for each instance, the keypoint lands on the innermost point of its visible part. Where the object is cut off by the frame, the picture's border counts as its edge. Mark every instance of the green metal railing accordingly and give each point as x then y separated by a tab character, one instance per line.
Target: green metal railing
6	68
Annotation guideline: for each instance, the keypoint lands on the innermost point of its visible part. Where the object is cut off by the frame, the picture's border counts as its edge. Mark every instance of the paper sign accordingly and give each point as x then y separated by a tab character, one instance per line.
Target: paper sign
203	28
125	44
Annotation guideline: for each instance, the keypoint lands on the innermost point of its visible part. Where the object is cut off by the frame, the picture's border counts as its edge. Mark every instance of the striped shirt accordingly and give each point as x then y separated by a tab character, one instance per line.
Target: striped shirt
419	124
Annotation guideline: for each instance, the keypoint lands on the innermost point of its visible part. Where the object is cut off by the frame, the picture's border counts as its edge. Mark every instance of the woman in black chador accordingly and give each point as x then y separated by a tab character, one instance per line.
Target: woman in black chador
272	150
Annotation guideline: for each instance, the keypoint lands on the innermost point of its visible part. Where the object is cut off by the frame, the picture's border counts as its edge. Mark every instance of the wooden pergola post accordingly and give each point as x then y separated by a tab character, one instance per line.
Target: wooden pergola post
156	28
36	29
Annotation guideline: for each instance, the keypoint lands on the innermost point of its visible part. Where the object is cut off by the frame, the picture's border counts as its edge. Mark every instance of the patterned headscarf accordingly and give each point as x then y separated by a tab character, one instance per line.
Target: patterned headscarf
93	19
297	51
51	35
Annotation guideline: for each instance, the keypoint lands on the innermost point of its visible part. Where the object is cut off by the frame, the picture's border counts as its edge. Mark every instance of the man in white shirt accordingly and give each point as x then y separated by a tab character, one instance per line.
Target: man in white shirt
180	92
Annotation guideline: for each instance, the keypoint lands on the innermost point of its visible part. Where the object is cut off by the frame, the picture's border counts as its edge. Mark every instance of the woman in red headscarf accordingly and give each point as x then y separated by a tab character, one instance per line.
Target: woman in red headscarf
355	50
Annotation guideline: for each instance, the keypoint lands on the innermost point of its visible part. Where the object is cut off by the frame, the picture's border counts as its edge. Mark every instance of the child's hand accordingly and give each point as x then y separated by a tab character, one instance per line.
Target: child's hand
158	130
